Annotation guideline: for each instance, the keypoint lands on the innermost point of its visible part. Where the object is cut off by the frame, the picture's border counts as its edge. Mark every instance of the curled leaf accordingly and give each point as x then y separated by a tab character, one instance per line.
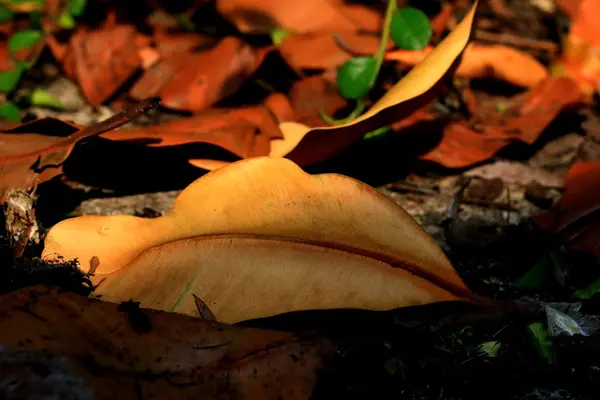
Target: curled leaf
304	145
261	237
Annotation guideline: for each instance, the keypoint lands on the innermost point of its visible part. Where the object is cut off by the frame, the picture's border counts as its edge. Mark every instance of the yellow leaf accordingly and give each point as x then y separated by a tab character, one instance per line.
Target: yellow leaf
261	237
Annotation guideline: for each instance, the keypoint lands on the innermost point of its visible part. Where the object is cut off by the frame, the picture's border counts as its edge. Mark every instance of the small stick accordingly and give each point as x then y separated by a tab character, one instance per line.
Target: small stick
507	38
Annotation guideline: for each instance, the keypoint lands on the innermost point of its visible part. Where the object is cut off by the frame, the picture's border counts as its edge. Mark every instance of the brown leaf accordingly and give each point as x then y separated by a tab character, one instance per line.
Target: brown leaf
28	156
261	237
486	61
576	217
468	142
194	80
313	94
322	50
262	16
159	355
99	60
245	132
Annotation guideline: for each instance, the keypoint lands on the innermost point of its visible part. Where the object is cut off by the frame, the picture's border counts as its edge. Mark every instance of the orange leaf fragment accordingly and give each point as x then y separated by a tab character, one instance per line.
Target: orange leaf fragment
581	49
192	80
575	218
158	355
322	51
486	61
261	237
262	16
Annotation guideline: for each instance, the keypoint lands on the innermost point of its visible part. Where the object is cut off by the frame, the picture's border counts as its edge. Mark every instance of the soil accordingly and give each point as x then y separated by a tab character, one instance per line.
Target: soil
427	352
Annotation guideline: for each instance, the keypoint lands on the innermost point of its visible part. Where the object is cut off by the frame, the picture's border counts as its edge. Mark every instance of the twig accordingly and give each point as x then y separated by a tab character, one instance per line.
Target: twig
507	38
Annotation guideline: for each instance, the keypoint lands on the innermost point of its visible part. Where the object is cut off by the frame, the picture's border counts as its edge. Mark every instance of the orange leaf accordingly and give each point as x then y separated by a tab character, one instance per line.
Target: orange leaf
486	61
322	51
100	60
192	81
244	132
158	355
575	218
27	158
262	16
581	49
464	143
261	237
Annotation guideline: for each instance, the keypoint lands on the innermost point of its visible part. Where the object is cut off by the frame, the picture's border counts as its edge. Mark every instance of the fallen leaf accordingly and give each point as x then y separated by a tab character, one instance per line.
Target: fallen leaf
305	146
323	51
169	357
486	61
261	237
99	60
245	131
575	218
193	80
580	59
313	94
29	156
262	16
467	142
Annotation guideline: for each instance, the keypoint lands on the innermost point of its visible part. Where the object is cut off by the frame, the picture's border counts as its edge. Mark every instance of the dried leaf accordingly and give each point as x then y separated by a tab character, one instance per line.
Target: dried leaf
29	156
262	16
244	132
486	61
322	50
99	60
575	218
466	143
178	357
261	237
581	49
194	80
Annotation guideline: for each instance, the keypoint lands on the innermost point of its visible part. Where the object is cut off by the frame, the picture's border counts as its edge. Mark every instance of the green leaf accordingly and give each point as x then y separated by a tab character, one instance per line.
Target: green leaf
355	77
76	7
10	111
278	35
42	98
589	291
491	348
410	29
5	14
10	79
66	21
23	40
538	276
541	340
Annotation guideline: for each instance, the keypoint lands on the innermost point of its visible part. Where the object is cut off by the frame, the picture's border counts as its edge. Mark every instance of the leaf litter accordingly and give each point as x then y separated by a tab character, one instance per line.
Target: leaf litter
470	159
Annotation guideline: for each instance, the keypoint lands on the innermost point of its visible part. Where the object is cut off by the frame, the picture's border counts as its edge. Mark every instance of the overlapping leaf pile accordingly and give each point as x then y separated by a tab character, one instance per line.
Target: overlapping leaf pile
275	128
